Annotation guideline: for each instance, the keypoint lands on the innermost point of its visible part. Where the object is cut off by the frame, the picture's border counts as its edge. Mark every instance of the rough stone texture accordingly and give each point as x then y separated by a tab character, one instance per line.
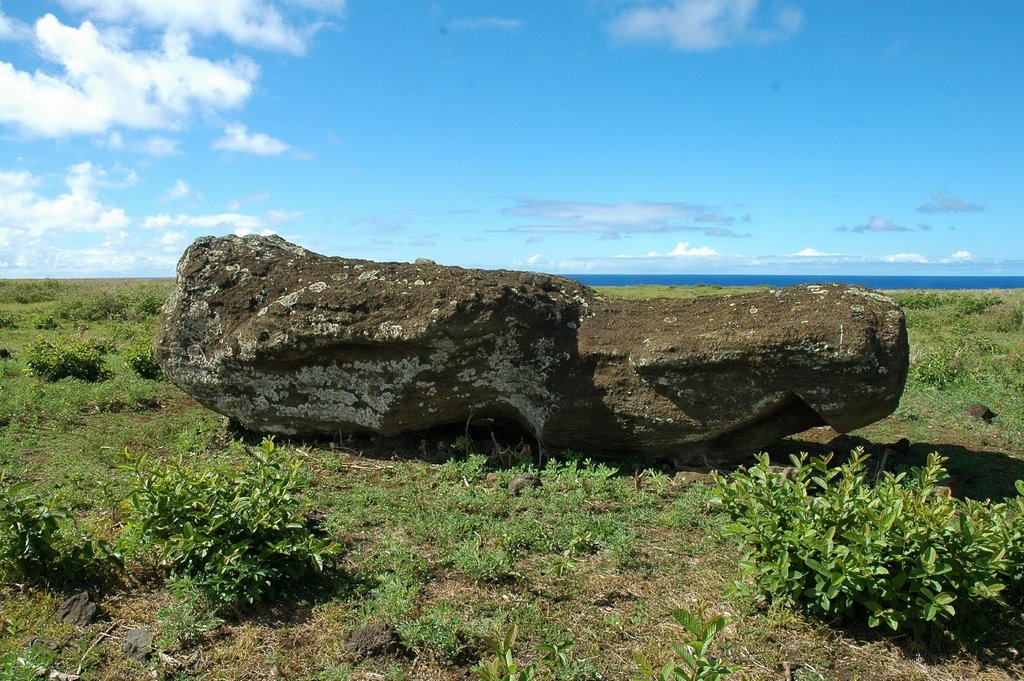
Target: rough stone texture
521	482
980	412
78	610
373	640
286	341
138	644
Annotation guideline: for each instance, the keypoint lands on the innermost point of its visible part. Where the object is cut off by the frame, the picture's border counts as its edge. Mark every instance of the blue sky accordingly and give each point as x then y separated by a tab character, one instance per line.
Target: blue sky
689	136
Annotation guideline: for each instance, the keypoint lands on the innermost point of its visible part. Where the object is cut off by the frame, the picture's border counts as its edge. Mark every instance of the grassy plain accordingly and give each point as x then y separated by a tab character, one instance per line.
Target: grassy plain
433	544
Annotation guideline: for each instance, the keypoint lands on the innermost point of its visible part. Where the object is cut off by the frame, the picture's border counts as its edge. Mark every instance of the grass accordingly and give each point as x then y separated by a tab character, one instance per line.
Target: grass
434	545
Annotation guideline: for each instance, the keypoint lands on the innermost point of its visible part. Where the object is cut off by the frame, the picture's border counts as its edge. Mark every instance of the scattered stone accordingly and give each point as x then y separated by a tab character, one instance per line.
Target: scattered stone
78	610
138	644
980	412
5	353
524	481
787	472
376	639
901	446
425	262
315	523
686	479
289	342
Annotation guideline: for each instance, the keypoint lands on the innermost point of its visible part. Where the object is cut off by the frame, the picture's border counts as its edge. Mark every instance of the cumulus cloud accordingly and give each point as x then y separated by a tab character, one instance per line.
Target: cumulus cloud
905	257
704	25
962	256
106	84
258	23
610	220
180	190
943	202
500	23
12	29
236	223
157	145
875	224
683	250
237	138
812	253
27	213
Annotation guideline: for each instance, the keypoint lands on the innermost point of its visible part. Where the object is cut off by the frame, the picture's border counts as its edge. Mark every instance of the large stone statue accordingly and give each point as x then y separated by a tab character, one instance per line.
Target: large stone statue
286	341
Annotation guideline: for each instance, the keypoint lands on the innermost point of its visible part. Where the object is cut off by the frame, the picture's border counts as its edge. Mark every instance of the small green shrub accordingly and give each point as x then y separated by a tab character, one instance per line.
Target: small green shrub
7	322
46	323
236	531
940	366
697	664
66	358
503	666
918	300
39	541
140	358
894	553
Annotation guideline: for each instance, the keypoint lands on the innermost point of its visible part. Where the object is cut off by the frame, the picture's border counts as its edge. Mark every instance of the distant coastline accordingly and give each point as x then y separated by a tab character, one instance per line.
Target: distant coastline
878	282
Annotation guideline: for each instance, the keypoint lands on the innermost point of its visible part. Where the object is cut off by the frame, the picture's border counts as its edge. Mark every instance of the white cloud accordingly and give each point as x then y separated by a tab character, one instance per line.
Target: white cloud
104	84
238	139
238	223
942	202
532	260
905	257
28	214
962	256
180	190
875	224
702	25
12	29
813	253
258	23
487	22
157	145
683	249
610	220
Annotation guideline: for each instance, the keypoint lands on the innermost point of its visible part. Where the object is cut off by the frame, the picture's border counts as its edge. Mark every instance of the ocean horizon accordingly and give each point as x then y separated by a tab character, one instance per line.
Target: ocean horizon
885	282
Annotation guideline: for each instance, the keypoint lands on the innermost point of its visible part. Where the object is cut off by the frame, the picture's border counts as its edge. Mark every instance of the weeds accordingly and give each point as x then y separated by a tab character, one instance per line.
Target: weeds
697	664
66	358
236	532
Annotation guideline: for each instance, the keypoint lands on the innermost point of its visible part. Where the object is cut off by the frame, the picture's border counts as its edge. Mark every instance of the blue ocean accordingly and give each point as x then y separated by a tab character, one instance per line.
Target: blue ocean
780	280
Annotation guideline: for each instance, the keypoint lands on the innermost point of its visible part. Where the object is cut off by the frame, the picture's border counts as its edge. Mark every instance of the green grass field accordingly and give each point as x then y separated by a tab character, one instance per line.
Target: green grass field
432	544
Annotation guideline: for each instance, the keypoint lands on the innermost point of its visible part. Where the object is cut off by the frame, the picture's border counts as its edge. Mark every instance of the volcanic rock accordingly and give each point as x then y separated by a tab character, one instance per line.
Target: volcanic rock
286	341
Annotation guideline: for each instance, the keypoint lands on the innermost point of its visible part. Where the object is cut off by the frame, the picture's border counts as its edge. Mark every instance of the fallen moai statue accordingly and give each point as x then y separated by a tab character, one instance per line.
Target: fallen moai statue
286	341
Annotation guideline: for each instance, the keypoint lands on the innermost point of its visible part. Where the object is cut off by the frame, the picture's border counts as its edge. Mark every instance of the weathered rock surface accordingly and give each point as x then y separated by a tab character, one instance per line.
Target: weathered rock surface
286	341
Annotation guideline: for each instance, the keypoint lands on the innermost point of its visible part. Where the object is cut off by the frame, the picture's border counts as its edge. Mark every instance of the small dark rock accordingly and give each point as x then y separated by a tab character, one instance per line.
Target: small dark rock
686	479
5	353
78	610
315	523
521	482
980	412
373	640
901	446
138	644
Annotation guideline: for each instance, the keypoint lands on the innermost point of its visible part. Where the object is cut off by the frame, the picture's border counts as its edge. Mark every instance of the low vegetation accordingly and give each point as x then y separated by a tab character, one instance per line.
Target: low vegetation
263	559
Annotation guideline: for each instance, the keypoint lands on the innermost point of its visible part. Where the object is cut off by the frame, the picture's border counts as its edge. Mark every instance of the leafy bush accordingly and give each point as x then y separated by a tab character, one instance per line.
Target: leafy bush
895	553
918	300
38	539
693	651
139	357
46	323
7	322
236	531
133	304
66	357
940	366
